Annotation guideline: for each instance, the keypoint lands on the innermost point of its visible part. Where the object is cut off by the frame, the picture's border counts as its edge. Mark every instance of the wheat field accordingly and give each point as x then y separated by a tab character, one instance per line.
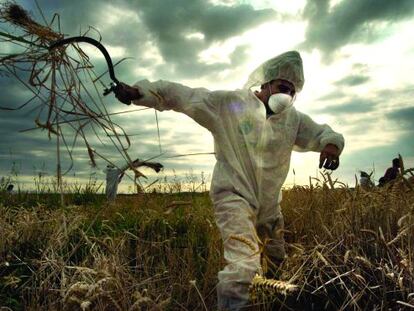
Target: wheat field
348	249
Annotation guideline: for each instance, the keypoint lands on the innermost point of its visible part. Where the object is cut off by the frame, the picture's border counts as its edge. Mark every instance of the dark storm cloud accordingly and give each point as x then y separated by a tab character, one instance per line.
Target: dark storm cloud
13	96
91	18
350	21
353	106
12	140
239	55
165	23
404	117
74	17
170	22
335	95
352	80
171	18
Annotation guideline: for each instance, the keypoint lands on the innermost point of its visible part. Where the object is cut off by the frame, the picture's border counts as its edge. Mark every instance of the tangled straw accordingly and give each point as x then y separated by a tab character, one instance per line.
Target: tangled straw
60	83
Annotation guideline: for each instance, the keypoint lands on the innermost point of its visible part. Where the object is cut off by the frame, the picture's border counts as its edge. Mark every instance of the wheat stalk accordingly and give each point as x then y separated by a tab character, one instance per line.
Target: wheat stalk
261	284
244	240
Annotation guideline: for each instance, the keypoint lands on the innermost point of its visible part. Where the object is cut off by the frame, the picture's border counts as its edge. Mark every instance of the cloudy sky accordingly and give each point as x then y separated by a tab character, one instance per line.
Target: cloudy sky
358	62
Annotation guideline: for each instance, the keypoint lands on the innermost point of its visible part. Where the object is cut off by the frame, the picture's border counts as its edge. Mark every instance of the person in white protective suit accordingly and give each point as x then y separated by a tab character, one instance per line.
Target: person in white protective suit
114	175
113	178
365	180
254	135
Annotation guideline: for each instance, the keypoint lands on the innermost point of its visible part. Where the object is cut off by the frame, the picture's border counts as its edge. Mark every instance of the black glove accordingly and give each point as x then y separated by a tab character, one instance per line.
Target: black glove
126	93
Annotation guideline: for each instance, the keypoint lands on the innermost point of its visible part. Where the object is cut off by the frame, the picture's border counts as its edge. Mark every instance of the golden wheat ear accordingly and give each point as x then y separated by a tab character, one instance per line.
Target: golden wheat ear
244	240
262	285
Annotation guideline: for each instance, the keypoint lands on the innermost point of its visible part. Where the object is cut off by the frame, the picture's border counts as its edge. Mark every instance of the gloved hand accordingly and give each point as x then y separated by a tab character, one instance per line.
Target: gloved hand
329	157
126	93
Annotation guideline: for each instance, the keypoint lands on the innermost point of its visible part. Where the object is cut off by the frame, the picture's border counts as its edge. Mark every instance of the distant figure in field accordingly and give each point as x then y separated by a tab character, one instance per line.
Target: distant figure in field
365	180
114	176
10	188
391	173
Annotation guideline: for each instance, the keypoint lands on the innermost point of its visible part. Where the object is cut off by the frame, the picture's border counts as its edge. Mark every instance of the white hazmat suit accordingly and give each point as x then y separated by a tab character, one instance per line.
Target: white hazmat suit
253	154
112	180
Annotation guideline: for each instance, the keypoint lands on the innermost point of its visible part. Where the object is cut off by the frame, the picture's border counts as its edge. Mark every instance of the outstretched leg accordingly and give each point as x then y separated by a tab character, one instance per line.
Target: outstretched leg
270	230
236	220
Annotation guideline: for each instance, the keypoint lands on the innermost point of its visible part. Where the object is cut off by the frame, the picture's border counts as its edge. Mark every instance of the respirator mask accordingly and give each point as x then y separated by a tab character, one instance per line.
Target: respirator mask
279	102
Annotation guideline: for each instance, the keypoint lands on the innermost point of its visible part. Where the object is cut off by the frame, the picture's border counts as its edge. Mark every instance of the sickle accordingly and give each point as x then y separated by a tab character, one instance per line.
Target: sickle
101	48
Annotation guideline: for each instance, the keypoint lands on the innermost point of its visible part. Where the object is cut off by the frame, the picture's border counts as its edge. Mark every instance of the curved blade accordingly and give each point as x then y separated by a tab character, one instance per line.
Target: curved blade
94	42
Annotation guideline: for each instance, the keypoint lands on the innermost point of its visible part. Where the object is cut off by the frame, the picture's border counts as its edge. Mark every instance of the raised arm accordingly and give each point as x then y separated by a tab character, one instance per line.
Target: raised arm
321	138
197	103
